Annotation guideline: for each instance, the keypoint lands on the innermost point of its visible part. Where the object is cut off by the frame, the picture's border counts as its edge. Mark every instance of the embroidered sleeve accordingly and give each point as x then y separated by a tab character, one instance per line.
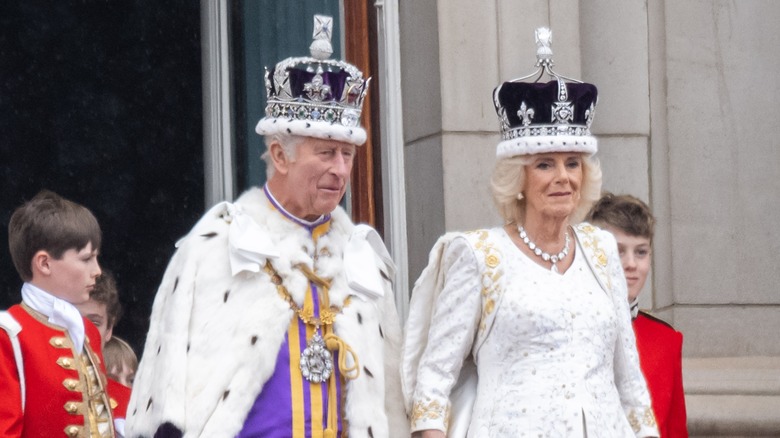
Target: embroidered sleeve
454	323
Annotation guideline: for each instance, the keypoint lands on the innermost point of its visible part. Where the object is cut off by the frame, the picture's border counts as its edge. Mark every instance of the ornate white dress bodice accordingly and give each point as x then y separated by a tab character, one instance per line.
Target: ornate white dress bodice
549	364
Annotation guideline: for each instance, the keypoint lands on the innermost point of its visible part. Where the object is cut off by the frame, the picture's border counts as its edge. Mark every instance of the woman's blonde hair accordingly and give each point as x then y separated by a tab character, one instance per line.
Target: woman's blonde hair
508	181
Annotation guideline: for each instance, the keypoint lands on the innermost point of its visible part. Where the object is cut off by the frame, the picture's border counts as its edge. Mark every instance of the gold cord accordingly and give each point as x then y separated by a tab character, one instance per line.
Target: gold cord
335	343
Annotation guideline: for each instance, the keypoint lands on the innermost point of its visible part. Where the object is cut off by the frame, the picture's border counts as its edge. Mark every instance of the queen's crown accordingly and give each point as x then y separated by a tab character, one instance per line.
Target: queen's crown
538	117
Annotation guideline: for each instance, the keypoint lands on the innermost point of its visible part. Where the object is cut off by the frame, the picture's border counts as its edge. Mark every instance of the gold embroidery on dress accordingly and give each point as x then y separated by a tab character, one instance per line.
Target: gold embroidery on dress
591	242
490	276
429	410
649	417
634	422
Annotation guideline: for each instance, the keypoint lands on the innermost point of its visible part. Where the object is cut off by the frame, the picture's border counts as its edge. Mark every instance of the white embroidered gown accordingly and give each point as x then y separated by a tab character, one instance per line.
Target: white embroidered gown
559	360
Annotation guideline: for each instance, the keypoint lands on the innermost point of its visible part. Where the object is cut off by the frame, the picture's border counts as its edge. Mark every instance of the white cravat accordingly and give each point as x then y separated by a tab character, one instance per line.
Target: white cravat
360	264
248	245
59	312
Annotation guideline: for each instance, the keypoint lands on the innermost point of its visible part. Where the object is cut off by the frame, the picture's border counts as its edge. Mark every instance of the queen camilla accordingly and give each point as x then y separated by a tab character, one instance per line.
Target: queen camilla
524	329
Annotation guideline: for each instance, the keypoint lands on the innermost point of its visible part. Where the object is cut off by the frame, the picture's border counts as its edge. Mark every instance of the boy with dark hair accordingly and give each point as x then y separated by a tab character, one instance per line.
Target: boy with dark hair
51	373
104	310
103	307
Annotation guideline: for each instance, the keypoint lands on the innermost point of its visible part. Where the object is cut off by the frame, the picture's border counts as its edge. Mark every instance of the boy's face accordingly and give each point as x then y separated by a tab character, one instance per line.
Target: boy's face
125	376
96	312
72	276
635	256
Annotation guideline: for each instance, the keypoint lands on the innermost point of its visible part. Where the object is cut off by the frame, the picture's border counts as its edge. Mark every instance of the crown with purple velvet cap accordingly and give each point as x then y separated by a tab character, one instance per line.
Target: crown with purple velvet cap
538	117
315	96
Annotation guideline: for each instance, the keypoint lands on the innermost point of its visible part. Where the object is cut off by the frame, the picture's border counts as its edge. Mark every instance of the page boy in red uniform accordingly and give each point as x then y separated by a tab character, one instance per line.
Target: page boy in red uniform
51	373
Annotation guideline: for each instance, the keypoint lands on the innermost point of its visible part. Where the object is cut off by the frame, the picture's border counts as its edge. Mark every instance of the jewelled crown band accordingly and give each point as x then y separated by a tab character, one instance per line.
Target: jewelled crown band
315	96
539	117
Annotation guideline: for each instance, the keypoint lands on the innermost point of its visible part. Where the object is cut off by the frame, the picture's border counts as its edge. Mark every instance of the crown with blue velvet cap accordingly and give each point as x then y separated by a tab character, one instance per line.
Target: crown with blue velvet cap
315	96
538	117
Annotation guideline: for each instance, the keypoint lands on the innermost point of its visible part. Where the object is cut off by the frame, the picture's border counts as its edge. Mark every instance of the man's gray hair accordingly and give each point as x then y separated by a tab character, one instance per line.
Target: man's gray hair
289	144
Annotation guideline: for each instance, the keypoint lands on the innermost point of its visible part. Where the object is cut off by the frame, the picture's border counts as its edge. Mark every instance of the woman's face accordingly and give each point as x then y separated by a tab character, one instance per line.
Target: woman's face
635	252
552	184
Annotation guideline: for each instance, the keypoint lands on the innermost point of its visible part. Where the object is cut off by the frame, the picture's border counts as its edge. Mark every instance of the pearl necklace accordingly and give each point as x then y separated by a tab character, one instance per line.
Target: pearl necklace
555	258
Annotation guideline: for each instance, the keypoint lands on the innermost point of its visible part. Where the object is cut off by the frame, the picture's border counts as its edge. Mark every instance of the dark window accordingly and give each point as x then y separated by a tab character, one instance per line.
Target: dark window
100	101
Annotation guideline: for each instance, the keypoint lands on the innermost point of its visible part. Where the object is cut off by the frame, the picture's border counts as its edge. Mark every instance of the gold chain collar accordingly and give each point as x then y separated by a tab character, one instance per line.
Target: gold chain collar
327	312
327	316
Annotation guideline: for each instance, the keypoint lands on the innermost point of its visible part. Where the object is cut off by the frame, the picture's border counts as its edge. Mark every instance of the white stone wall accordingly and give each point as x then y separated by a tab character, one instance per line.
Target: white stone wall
721	96
687	121
421	95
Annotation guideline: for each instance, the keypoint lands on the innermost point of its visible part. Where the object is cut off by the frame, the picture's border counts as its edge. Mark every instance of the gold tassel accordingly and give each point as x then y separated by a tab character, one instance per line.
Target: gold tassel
335	343
333	404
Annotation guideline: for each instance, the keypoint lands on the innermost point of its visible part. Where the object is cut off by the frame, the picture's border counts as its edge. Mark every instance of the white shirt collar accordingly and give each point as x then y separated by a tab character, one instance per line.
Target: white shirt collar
59	312
634	305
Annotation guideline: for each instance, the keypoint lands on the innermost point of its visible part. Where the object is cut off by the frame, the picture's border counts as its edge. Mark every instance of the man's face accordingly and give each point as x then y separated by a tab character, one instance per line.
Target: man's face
96	312
72	276
316	179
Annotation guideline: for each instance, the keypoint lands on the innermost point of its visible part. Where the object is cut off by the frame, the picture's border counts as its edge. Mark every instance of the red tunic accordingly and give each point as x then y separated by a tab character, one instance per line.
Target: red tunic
660	357
57	385
120	397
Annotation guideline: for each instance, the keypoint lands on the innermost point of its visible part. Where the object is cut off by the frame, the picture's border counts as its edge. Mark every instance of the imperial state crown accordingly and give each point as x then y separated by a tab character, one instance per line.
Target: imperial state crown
315	96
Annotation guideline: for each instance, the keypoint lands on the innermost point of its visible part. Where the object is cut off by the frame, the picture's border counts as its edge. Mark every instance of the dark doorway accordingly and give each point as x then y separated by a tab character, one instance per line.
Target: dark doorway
101	102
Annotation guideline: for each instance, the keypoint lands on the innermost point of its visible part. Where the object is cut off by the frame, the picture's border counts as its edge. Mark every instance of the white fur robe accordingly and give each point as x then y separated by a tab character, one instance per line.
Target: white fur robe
214	335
